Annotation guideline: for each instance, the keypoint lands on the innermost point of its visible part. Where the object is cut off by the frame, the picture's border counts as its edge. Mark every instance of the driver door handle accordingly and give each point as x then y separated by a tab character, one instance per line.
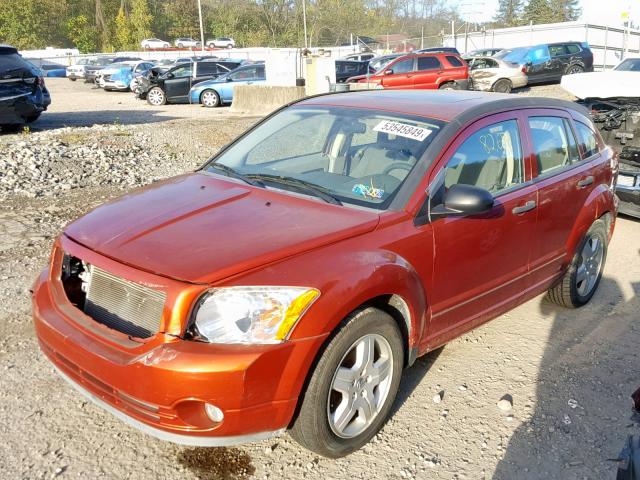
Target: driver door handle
586	181
530	205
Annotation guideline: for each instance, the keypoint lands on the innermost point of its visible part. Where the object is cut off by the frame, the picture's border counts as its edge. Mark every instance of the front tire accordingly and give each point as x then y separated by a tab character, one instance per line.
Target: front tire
156	97
210	98
582	278
353	386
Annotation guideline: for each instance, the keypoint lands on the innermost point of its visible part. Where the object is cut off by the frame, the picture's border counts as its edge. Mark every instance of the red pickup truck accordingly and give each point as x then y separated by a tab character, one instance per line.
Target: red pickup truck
446	71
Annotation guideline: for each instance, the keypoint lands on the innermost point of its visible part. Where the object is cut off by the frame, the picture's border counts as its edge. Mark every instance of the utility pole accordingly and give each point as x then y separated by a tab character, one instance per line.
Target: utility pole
201	28
422	38
304	21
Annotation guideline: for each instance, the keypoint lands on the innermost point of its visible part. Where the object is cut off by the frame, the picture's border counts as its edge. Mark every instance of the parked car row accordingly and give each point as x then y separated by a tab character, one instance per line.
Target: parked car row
187	42
491	69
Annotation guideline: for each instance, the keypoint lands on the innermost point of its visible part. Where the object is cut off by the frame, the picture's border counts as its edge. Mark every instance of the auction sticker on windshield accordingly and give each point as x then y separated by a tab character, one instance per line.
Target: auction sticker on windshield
403	130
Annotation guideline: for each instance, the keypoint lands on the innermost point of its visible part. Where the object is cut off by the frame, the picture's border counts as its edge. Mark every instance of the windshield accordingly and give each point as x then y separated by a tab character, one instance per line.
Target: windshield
357	156
378	64
629	65
516	56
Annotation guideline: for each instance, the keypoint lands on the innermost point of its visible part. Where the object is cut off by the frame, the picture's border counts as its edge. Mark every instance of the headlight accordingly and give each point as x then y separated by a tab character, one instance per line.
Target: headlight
251	314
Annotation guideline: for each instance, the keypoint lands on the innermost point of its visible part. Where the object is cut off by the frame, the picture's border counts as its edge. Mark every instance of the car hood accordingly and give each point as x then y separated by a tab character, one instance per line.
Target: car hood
202	228
602	84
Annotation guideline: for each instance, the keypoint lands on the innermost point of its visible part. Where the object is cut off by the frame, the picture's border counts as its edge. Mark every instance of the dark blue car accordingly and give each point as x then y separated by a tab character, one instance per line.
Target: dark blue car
23	94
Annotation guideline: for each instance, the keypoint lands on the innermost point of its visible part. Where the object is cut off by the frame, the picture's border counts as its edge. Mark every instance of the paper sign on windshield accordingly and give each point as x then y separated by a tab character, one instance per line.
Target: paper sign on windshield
403	130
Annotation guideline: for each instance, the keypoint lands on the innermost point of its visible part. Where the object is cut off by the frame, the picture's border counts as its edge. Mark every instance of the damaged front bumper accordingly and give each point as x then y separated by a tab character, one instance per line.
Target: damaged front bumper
162	385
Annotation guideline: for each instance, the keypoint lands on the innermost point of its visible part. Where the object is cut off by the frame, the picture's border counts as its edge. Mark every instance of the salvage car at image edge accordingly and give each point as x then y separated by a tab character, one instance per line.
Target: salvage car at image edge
287	283
23	94
613	98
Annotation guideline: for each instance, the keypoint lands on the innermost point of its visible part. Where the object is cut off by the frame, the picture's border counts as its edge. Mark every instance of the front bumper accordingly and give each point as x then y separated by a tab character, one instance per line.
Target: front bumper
629	195
114	85
161	385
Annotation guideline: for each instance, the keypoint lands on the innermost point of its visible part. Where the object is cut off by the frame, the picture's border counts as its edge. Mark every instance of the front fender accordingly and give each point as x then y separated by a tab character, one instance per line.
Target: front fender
601	200
347	279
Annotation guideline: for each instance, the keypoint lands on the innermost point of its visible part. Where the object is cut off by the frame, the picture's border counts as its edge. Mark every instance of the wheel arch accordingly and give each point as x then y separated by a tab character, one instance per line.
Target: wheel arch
599	205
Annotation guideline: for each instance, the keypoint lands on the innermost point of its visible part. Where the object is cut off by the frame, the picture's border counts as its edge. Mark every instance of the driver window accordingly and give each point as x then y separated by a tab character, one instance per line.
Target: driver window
490	158
403	66
182	72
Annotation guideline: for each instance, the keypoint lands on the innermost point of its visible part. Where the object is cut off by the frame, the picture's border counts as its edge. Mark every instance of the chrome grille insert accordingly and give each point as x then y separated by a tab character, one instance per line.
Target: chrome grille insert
125	306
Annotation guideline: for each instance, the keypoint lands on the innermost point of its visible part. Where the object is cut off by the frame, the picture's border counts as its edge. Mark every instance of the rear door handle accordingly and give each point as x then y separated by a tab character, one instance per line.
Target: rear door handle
585	181
530	205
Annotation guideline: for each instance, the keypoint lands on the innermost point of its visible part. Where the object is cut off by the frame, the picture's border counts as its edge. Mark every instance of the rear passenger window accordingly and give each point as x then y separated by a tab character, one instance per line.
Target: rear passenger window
553	142
453	61
557	50
491	159
428	63
573	49
587	139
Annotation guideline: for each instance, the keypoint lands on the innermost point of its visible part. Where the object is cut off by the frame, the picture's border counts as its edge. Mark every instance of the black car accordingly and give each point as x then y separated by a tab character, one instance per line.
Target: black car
91	70
351	68
23	94
550	61
173	85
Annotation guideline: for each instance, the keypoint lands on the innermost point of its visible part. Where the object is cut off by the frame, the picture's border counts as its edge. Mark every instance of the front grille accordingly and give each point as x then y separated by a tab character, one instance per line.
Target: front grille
125	306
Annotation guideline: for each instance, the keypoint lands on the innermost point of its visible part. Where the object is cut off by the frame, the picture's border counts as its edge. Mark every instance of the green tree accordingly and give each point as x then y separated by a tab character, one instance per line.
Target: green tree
124	39
82	34
565	10
538	11
140	20
509	13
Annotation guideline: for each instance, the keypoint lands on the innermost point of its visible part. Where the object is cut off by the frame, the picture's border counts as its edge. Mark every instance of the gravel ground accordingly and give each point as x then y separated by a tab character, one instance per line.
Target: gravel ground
541	392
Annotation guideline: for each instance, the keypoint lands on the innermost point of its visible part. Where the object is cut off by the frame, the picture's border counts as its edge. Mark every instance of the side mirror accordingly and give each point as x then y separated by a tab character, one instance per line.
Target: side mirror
169	75
229	79
462	200
389	72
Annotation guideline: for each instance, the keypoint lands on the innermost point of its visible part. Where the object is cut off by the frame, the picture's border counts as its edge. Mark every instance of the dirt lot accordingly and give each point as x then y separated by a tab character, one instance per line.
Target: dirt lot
570	373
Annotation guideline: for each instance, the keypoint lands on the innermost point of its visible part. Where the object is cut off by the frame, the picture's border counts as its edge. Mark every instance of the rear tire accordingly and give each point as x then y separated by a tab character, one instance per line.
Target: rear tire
503	85
448	86
32	118
353	386
574	69
581	280
72	79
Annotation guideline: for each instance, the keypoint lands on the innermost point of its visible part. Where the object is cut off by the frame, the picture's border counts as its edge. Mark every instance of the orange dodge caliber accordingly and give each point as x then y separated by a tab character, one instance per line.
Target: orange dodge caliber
287	283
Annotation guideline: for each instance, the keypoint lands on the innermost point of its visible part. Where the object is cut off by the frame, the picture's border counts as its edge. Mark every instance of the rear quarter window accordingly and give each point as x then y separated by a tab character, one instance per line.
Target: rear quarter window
428	63
573	49
453	61
588	139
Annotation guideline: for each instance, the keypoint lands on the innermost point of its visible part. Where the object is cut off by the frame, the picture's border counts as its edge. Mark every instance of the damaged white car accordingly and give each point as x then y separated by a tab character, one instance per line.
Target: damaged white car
492	75
613	97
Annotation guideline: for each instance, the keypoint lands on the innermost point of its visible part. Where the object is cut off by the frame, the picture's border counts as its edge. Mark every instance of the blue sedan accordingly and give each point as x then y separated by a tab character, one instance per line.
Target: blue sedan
213	93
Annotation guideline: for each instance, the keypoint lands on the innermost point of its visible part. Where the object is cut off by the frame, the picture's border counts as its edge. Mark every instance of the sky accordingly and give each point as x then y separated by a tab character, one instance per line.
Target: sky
593	11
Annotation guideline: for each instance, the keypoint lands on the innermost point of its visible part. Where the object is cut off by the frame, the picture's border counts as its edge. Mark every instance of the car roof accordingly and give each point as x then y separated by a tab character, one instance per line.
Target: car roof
7	49
445	106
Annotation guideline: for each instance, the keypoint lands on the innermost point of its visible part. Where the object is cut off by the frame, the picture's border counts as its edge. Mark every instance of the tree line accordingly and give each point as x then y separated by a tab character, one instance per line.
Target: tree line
513	13
112	25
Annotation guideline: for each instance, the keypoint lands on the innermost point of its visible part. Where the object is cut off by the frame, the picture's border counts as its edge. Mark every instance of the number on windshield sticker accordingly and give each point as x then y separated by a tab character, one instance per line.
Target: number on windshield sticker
402	130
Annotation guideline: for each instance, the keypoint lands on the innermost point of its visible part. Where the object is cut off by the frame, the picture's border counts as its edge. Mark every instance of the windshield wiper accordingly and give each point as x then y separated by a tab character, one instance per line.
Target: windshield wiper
301	185
230	172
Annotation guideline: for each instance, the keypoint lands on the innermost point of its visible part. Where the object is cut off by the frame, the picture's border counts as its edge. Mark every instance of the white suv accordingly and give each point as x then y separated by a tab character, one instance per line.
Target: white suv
186	42
149	43
221	42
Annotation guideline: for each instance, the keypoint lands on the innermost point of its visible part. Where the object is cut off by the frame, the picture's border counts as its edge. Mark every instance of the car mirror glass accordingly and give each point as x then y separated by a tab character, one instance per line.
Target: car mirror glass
389	72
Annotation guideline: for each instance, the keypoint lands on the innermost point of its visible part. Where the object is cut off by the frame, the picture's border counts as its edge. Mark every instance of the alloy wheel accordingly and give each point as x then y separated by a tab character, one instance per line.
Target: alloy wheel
210	98
360	386
590	264
155	97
